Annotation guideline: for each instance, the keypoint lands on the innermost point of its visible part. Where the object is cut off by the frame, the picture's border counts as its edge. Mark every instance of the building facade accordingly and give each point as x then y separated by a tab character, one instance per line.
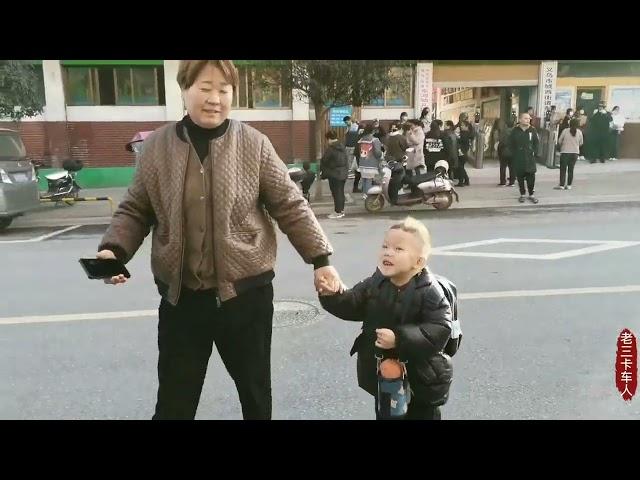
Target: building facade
94	107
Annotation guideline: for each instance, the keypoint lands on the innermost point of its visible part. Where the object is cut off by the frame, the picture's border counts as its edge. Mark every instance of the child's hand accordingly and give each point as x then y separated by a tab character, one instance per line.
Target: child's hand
325	288
386	339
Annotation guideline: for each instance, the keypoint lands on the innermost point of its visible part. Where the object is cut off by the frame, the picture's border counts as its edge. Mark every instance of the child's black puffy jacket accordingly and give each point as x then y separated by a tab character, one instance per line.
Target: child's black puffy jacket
420	316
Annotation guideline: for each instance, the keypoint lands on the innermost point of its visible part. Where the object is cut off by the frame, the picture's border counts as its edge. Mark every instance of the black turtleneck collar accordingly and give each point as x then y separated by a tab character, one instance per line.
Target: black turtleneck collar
200	137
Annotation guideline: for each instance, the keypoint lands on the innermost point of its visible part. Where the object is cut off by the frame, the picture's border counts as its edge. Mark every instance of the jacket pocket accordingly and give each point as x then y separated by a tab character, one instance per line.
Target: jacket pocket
248	253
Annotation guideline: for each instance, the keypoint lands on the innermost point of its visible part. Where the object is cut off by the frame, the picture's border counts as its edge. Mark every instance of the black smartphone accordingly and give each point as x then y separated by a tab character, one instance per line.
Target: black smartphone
98	268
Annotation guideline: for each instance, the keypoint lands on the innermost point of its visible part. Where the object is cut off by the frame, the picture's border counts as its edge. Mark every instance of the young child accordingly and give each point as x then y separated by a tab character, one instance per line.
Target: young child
307	181
405	315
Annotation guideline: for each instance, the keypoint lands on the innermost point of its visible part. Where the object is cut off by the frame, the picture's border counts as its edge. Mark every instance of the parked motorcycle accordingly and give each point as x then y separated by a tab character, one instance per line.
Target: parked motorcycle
63	185
303	179
432	188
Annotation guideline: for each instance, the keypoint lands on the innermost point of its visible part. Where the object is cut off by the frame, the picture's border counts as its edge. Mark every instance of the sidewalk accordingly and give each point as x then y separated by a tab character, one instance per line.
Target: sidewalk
593	183
615	181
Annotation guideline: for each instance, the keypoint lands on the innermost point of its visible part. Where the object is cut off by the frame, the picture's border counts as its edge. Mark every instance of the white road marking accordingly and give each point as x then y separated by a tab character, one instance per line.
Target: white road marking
78	316
463	297
549	293
597	246
43	237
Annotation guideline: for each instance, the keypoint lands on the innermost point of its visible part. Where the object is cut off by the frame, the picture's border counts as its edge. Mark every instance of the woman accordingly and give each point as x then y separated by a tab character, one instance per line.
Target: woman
569	142
334	166
395	144
203	184
617	127
582	119
451	147
565	121
426	121
465	134
415	152
434	146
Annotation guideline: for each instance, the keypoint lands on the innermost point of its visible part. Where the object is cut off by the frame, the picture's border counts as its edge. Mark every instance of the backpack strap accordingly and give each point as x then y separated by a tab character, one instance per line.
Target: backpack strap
451	293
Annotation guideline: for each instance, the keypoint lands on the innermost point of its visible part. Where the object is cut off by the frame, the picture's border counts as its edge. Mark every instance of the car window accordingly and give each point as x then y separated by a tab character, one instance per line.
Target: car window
11	145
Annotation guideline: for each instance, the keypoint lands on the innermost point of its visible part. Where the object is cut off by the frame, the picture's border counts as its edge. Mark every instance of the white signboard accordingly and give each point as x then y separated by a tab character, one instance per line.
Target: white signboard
547	86
424	87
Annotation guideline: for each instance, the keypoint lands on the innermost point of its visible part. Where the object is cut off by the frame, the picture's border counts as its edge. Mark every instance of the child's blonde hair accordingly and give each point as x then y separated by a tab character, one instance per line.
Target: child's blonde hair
419	230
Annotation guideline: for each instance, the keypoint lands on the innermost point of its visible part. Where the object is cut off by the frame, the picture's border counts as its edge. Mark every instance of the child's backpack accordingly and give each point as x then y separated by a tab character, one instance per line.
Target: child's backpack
451	292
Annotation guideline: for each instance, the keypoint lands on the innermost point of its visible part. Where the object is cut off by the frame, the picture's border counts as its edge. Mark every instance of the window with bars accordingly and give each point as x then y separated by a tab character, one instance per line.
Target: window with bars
121	85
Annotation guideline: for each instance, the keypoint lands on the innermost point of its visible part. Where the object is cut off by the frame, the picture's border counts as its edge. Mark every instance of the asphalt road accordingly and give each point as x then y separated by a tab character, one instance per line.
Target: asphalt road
534	347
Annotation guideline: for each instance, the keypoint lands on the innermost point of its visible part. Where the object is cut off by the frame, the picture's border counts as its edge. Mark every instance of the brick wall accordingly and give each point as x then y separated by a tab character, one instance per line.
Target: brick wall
102	144
292	140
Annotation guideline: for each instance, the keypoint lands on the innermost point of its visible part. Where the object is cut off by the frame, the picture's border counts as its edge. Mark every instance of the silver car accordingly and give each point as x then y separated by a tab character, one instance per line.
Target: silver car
18	181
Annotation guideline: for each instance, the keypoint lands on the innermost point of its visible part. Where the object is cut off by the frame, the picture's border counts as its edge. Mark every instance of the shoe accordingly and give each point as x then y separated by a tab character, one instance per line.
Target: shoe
568	187
522	198
533	199
335	216
613	159
581	157
364	196
559	187
601	161
460	184
510	184
502	184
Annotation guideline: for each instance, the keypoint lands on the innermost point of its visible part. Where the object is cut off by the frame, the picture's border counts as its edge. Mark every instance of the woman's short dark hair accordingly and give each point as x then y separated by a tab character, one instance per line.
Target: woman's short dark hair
188	71
569	110
449	124
424	112
331	135
368	129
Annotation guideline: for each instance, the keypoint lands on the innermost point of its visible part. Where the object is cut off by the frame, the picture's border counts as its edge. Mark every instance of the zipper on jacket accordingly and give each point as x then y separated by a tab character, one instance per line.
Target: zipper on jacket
213	234
184	177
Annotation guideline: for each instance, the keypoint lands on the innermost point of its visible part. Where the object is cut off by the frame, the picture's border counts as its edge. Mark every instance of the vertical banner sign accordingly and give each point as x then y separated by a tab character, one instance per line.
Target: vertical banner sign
424	87
547	87
627	365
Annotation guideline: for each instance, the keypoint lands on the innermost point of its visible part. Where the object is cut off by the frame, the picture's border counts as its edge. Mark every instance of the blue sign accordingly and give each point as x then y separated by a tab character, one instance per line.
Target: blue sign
336	114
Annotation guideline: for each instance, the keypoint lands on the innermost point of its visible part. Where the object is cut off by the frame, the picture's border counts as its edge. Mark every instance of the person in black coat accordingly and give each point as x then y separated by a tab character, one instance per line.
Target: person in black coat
334	167
466	134
405	315
523	144
434	145
564	124
599	130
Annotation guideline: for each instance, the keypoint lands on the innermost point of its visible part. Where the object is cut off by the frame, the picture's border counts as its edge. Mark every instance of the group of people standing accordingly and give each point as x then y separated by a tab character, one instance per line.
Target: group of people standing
422	141
601	132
